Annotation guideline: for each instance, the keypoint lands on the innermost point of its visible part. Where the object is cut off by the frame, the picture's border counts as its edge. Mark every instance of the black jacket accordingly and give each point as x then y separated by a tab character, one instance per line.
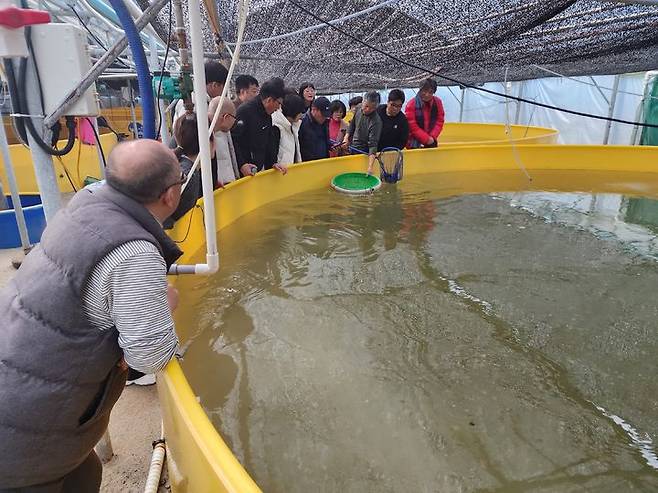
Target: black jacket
254	139
313	139
395	130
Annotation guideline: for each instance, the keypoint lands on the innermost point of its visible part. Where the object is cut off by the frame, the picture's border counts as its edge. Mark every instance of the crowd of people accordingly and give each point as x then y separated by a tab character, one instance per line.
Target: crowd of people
91	303
273	126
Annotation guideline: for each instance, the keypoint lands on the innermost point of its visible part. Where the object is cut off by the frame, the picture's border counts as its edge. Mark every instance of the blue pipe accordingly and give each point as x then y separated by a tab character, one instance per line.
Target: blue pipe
103	9
141	67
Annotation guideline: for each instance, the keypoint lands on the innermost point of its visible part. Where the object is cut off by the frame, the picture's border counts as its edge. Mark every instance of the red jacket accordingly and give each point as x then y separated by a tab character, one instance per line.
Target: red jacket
423	134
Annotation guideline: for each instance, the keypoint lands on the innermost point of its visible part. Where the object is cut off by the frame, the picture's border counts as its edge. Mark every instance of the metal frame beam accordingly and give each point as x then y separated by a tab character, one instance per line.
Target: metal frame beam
103	63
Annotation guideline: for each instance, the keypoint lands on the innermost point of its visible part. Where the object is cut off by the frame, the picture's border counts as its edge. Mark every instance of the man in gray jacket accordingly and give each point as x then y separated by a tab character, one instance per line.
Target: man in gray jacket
365	128
89	301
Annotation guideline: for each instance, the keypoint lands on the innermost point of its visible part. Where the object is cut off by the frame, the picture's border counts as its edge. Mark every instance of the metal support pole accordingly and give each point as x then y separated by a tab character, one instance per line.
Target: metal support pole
635	135
461	105
153	54
155	67
13	187
634	2
133	115
598	88
104	62
611	109
164	129
42	161
517	117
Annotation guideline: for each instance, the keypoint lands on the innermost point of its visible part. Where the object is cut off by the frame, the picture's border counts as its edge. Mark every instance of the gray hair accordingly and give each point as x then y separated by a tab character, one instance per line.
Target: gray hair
372	97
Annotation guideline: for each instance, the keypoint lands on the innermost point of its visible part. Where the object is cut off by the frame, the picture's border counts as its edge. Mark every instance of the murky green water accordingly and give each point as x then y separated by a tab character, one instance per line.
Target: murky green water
411	343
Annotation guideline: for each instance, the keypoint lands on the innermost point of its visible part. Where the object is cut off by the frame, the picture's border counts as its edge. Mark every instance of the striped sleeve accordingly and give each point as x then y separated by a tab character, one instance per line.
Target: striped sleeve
137	303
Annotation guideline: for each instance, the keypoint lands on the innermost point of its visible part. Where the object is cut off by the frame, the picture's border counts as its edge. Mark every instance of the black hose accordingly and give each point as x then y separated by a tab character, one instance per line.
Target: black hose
29	124
18	124
17	91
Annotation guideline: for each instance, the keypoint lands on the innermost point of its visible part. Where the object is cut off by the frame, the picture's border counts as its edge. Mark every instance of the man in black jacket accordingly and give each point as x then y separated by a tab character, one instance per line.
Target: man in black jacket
395	127
253	135
314	131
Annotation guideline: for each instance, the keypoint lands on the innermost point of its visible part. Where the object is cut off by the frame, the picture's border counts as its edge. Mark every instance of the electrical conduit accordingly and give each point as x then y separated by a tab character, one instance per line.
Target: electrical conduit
141	67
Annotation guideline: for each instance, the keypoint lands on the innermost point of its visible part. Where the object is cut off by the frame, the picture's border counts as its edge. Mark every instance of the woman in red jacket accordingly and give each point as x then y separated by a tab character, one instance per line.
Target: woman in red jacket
426	116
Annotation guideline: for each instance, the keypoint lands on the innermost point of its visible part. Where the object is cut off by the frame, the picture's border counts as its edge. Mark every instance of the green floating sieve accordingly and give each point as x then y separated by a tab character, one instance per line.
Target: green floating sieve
355	183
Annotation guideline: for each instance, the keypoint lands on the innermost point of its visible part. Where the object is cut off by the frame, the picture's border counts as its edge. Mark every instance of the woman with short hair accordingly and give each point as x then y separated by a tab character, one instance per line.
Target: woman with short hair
287	122
337	126
307	93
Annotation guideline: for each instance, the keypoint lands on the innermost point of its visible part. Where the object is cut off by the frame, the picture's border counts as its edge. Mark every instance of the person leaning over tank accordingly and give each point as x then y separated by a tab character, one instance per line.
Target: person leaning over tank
186	132
287	120
365	128
314	131
395	127
227	164
88	302
254	139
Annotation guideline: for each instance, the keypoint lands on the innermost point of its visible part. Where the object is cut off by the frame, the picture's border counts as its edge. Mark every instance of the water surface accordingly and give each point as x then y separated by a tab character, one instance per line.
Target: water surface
418	341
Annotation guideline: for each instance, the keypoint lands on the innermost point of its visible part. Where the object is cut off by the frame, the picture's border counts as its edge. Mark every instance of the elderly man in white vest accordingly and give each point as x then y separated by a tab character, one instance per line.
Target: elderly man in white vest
227	164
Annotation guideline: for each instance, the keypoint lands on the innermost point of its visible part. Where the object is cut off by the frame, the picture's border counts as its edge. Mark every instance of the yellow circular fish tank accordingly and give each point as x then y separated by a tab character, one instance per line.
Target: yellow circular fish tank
199	458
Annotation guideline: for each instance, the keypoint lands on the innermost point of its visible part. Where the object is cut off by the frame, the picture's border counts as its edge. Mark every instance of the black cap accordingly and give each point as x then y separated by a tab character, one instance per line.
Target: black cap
323	105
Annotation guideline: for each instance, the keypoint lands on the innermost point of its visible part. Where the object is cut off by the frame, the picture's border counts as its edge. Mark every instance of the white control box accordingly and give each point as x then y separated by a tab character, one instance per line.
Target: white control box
12	42
63	59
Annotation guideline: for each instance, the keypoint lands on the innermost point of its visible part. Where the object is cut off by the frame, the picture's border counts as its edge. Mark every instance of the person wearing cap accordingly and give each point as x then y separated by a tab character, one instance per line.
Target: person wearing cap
314	131
365	129
253	136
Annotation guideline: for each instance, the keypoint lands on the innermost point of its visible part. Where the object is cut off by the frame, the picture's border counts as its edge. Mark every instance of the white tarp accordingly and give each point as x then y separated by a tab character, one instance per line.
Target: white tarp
576	93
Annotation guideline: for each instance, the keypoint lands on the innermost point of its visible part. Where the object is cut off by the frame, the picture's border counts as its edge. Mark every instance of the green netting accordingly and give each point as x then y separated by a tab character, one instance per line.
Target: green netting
650	135
643	212
355	183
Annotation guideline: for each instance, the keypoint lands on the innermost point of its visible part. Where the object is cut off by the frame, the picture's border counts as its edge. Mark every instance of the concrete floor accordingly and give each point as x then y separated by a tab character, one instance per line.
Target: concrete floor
134	424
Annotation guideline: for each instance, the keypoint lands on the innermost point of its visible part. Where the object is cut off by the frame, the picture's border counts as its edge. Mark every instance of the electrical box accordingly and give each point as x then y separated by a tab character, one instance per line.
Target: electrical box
12	28
63	60
12	43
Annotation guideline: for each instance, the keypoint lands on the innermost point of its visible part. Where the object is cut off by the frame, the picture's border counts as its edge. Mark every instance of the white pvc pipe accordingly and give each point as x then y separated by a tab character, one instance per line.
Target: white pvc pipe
244	7
136	13
635	135
155	469
201	108
13	187
318	26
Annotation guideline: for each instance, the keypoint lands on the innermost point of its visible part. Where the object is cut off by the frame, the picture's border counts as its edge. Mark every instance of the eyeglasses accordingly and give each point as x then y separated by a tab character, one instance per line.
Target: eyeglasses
181	181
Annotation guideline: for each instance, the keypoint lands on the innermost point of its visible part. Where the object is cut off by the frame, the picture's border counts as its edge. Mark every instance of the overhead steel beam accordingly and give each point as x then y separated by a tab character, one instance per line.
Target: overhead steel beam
103	63
653	3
